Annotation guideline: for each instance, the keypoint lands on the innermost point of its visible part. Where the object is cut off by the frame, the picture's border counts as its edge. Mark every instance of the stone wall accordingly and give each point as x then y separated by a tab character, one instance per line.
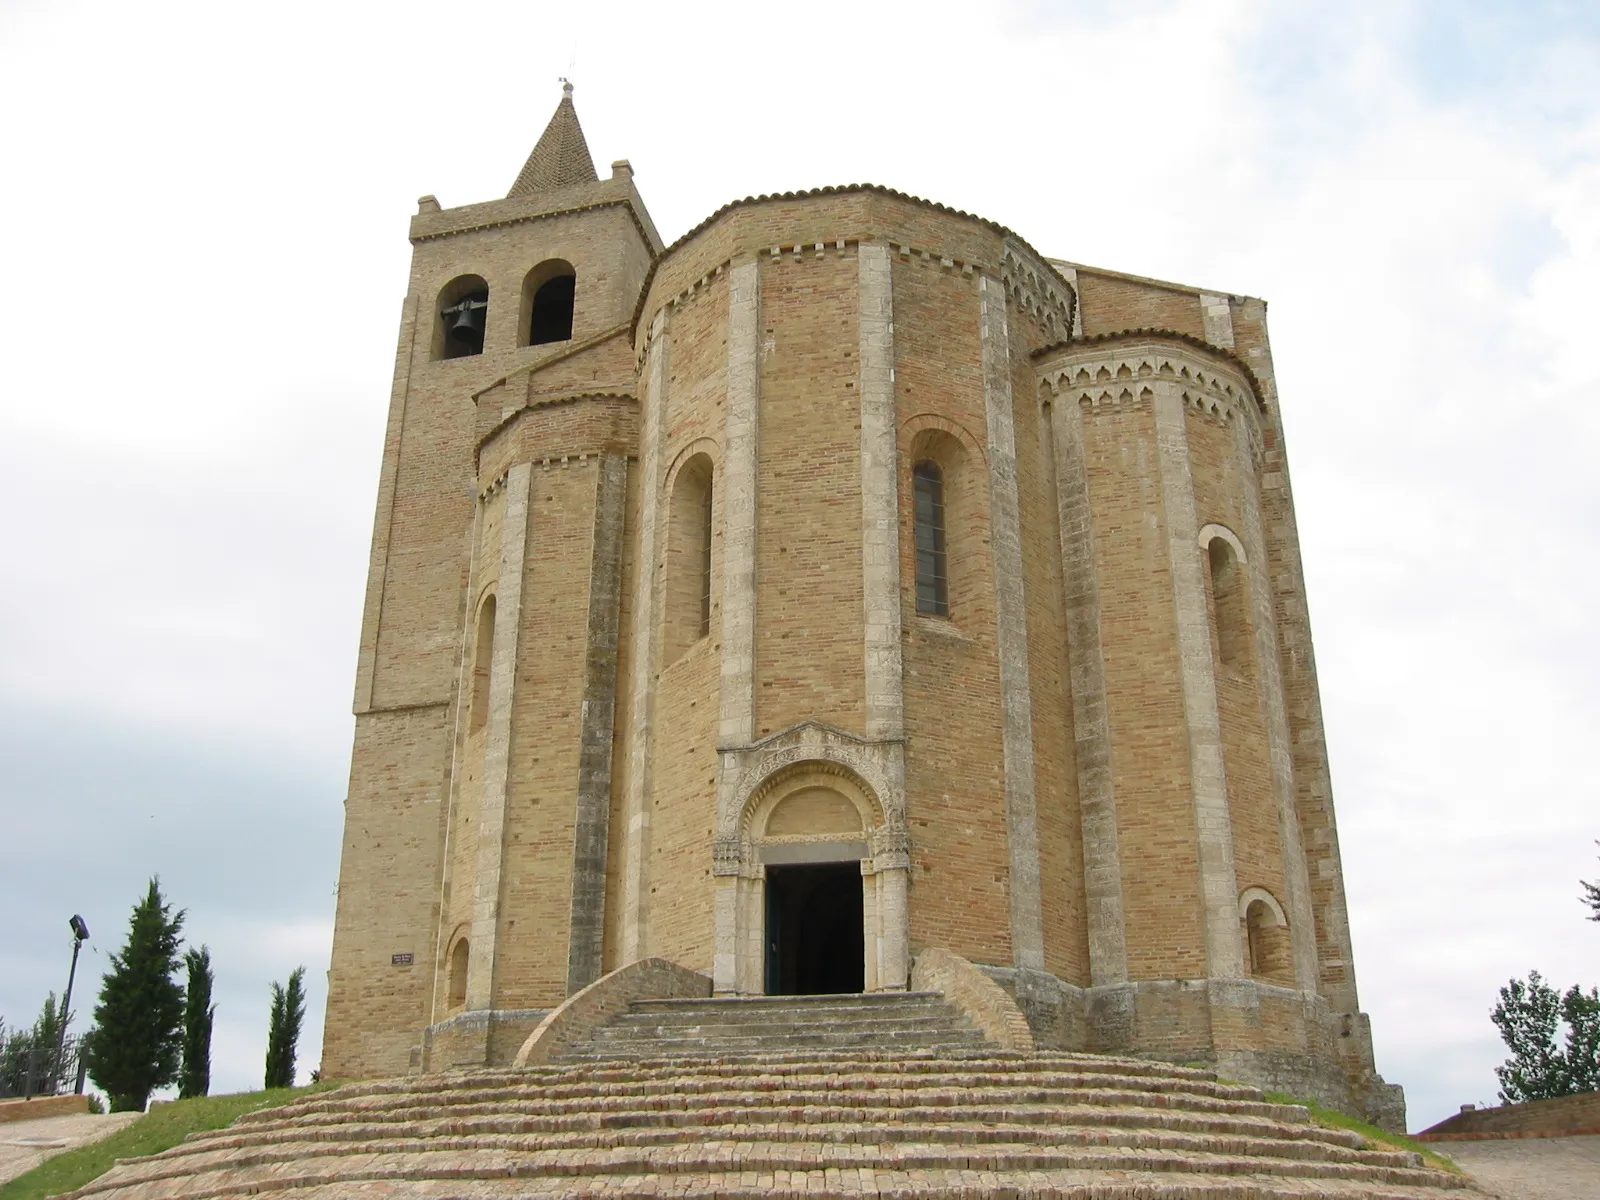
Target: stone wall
1561	1116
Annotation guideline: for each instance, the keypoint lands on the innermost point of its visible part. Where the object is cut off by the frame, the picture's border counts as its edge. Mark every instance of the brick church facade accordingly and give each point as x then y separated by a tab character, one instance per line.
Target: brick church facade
842	581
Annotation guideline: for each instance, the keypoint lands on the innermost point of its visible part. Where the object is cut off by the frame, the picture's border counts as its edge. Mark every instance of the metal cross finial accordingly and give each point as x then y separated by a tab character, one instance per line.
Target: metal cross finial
566	87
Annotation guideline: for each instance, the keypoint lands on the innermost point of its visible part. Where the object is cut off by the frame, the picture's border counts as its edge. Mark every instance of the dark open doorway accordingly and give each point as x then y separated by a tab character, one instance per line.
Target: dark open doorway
814	940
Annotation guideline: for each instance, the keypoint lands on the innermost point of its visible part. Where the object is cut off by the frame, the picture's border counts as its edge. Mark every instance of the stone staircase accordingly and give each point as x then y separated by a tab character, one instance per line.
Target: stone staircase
879	1095
765	1025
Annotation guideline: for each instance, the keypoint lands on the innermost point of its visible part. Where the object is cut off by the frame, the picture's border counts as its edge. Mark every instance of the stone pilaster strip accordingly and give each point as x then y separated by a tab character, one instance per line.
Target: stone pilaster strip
1091	718
497	743
1219	890
444	926
1297	885
642	689
1217	314
880	520
597	722
1011	630
738	502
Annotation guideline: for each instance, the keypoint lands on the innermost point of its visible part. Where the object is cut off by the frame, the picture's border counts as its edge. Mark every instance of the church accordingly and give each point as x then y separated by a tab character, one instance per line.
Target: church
845	581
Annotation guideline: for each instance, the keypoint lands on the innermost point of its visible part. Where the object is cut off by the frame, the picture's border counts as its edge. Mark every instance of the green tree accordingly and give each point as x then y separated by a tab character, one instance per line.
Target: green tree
283	1029
1581	1012
1530	1017
18	1046
139	1021
198	1014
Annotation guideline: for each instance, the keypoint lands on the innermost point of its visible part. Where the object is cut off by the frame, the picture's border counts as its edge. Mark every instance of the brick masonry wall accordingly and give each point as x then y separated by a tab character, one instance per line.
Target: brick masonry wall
954	768
964	386
809	613
1150	751
1252	807
392	873
1563	1115
1060	822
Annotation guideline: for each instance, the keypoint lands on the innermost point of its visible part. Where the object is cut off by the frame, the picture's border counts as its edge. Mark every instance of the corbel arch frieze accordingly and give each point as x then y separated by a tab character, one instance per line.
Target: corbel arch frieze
1103	377
1035	288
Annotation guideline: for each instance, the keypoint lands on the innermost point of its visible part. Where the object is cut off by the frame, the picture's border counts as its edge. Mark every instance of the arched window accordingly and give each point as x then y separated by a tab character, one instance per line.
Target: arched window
1266	937
1228	605
689	545
933	577
457	996
463	316
482	661
548	296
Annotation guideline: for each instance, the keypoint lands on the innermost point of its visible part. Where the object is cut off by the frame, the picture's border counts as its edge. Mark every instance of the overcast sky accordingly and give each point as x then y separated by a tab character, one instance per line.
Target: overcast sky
204	211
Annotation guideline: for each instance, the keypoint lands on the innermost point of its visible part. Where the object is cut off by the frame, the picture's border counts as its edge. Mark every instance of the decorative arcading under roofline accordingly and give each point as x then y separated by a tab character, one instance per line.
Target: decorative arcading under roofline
544	402
561	356
1117	379
844	190
1228	357
1038	291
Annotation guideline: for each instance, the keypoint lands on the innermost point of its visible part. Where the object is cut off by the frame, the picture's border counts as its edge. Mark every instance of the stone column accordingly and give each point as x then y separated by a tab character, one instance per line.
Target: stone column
597	722
736	720
1297	900
880	505
497	745
642	692
1011	633
1091	718
880	580
1219	890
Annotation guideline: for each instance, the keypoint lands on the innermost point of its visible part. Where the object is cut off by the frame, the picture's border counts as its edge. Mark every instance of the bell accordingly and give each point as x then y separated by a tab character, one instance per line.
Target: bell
464	323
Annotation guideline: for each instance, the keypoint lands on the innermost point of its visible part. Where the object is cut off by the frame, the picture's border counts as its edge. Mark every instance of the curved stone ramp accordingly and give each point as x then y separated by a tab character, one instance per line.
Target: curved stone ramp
837	1123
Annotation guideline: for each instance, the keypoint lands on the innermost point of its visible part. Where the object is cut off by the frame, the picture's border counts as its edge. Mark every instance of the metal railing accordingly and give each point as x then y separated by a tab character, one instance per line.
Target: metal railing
29	1068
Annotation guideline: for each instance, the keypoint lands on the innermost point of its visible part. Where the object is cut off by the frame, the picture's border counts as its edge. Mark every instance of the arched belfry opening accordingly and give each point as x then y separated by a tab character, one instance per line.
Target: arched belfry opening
463	318
549	298
816	904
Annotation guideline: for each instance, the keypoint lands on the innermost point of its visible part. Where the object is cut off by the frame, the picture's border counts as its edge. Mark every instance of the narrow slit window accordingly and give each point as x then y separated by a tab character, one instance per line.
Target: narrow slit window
1228	605
705	562
482	659
933	581
458	976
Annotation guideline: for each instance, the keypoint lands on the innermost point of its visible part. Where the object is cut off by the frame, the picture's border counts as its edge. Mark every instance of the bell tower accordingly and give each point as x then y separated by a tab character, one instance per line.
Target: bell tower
472	879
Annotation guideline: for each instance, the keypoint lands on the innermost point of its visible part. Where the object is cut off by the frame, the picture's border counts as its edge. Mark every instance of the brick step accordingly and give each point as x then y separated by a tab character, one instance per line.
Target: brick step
765	1108
818	1004
1055	1128
613	1081
231	1173
909	1063
632	1025
715	1044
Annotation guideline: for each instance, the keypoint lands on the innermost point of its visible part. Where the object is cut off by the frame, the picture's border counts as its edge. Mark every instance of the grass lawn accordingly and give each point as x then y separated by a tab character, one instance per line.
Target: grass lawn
150	1134
1331	1119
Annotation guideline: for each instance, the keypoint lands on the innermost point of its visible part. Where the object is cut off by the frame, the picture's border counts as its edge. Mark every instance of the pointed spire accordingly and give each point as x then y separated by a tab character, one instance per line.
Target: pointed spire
561	158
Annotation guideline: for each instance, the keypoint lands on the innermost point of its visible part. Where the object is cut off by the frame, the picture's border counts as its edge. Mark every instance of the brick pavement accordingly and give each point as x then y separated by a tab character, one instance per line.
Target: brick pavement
26	1144
1565	1168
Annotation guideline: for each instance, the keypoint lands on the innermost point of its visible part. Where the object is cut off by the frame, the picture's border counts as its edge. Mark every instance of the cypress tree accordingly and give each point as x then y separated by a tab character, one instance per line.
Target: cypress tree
139	1020
283	1029
198	1013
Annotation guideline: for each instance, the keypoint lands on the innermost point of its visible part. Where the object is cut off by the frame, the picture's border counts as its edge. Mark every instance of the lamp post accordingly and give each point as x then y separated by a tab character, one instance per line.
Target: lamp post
80	934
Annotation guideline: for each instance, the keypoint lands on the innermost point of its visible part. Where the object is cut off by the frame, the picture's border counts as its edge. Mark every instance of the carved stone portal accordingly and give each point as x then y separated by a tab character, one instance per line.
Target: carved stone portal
810	794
